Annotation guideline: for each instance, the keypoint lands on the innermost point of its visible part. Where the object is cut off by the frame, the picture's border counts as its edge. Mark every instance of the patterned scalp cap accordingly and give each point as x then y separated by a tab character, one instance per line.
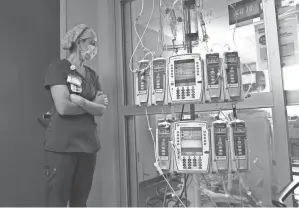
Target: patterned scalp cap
81	31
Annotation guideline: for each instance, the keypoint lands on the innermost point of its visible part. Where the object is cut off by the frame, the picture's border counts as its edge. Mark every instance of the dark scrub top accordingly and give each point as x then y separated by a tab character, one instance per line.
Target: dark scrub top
72	133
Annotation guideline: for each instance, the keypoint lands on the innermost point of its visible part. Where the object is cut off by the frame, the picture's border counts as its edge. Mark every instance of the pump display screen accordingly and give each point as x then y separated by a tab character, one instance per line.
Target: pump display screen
212	60
191	141
184	71
220	139
232	59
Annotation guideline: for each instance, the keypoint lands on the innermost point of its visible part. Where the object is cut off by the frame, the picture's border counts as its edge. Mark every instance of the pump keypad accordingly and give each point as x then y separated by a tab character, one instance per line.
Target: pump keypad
185	93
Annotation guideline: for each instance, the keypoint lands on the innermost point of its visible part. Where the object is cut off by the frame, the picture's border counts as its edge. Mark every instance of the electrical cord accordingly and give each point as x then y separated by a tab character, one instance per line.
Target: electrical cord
186	178
203	27
203	191
167	18
174	192
140	41
236	47
164	200
182	112
248	91
226	195
220	110
145	48
140	38
156	159
185	186
236	22
161	39
152	136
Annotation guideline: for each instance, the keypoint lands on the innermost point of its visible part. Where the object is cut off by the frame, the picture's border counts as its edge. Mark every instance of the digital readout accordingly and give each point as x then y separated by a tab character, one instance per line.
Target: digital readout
164	131
239	128
220	130
191	138
191	134
159	65
184	71
212	61
232	58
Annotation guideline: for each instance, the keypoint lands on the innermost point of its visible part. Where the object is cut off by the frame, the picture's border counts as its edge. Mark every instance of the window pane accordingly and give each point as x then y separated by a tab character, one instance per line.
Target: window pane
157	27
288	40
260	179
244	38
293	121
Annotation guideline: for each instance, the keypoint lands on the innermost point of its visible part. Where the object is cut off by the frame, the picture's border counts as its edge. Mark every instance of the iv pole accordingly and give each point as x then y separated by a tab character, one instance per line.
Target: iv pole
189	39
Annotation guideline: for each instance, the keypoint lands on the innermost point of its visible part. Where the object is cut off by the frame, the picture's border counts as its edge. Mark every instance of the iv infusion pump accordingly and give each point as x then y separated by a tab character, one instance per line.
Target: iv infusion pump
192	146
142	86
213	77
239	145
185	78
185	146
220	146
159	85
232	76
163	137
188	80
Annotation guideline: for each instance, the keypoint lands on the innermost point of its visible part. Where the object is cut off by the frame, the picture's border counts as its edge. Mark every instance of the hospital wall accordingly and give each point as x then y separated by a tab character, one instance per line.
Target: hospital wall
29	40
100	16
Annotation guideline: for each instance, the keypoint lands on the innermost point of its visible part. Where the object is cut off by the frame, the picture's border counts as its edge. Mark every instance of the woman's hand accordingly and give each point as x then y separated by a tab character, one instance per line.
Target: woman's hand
101	99
78	100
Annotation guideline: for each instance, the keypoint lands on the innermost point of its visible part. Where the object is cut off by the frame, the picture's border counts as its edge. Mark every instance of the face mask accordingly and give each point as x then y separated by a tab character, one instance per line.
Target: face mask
89	53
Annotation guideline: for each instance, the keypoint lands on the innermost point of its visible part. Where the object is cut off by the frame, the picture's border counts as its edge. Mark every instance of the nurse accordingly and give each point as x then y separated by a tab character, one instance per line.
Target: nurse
71	138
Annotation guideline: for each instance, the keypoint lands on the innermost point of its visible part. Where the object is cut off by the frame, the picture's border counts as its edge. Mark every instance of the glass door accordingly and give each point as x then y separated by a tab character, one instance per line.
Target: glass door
150	28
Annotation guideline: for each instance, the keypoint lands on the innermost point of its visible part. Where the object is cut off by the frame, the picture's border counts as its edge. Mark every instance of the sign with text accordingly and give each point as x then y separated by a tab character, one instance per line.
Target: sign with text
243	11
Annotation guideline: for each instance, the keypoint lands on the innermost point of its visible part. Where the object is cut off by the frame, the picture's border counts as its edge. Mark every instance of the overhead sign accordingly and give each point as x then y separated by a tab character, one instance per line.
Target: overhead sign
243	11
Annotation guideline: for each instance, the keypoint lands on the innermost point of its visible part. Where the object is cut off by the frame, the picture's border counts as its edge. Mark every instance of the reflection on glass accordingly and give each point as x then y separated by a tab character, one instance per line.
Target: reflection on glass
159	24
243	38
288	42
293	122
259	180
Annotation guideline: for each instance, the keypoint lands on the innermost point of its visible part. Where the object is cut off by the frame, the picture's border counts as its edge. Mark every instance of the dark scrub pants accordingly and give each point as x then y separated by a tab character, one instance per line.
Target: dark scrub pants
71	143
69	178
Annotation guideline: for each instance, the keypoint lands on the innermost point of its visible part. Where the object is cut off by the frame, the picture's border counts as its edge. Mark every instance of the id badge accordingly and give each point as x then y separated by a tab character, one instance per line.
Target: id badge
75	83
74	80
75	88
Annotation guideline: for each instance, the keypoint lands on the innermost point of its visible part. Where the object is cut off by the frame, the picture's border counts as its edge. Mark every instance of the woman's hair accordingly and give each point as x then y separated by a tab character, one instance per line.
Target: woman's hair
74	44
73	48
79	33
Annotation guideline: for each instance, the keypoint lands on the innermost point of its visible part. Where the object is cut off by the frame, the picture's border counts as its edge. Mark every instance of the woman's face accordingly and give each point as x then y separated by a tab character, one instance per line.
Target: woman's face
88	48
91	41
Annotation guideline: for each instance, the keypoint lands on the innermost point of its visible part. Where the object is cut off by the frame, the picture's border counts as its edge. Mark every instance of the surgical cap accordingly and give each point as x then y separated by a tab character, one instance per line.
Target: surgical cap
81	31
